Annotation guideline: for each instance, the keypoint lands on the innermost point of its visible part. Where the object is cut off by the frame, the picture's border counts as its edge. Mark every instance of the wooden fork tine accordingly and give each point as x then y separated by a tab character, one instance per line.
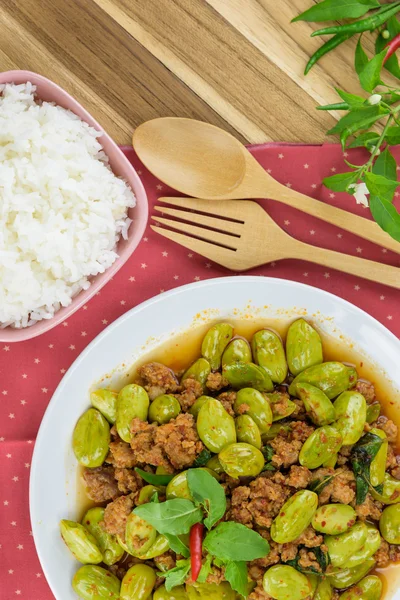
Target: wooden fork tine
222	256
222	208
205	234
215	222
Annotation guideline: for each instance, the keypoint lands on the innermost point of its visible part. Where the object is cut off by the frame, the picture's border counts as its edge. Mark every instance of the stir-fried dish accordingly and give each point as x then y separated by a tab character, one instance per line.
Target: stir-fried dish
260	472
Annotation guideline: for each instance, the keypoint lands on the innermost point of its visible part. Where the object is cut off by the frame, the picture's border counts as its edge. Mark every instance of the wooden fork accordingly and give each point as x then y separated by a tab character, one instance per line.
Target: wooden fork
241	235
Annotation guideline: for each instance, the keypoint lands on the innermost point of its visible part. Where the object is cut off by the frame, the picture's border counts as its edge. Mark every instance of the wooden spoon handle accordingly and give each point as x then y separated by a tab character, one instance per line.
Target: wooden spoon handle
368	269
369	230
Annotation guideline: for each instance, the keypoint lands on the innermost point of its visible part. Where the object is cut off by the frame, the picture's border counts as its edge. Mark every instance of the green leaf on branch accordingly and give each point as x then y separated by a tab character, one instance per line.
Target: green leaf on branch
352	99
370	75
393	136
381	186
341	181
364	140
236	574
332	10
386	215
392	64
385	165
358	118
361	58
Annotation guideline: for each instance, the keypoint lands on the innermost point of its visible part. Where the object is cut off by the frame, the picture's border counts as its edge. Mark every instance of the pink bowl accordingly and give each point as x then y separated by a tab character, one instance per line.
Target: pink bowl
47	90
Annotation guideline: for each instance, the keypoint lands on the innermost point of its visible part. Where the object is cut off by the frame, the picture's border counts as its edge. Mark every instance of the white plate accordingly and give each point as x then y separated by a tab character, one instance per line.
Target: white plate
53	489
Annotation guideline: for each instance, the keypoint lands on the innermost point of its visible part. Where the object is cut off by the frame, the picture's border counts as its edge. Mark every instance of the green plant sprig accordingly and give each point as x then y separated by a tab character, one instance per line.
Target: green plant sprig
357	128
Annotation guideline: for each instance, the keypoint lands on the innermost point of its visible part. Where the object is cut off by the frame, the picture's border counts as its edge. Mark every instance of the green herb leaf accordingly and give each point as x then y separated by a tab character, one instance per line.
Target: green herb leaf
207	492
321	557
236	574
268	452
177	575
202	458
173	516
154	479
233	541
393	135
341	181
319	484
155	498
380	186
370	75
351	99
358	116
385	165
392	64
176	544
386	215
205	570
364	140
362	455
361	58
332	10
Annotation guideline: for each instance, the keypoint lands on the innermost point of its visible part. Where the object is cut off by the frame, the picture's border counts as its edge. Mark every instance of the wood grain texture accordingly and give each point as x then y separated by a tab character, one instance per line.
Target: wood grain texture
235	63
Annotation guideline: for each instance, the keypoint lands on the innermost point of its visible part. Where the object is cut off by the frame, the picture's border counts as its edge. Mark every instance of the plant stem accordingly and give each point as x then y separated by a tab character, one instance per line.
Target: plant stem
378	144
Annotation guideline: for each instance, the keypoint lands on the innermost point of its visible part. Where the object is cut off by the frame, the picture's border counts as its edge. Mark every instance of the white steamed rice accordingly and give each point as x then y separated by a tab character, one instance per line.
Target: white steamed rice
62	210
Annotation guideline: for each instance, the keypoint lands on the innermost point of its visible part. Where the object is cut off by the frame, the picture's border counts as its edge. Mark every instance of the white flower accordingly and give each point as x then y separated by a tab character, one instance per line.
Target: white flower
374	99
359	192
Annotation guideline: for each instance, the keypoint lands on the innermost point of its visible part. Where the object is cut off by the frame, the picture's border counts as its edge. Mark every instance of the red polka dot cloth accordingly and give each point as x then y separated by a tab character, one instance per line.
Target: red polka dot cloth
30	371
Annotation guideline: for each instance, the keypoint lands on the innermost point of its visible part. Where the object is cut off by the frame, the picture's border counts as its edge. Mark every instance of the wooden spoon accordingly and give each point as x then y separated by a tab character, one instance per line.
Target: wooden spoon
203	161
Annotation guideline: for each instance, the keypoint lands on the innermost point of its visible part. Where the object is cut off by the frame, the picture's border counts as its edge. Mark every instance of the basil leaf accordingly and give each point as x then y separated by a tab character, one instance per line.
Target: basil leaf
236	574
370	75
351	99
173	516
341	181
268	452
205	570
332	10
177	545
393	135
234	541
321	557
362	455
155	498
177	575
380	186
202	458
386	215
364	140
154	479
319	484
385	165
206	491
361	58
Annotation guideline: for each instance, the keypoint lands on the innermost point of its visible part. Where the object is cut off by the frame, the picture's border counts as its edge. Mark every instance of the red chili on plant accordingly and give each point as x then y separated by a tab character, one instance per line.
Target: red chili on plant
392	46
195	545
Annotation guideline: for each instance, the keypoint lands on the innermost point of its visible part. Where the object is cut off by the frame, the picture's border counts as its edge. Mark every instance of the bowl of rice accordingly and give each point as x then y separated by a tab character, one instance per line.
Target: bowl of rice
72	207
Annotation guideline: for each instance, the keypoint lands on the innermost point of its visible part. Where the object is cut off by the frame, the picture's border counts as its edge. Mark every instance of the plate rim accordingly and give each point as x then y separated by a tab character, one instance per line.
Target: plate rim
40	437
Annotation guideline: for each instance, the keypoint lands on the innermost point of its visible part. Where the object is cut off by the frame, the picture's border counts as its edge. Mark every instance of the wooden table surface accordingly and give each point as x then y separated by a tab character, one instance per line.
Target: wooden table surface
235	63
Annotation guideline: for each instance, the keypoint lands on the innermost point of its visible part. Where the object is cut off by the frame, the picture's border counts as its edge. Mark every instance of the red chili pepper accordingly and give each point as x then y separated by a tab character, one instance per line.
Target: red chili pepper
392	46
195	545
